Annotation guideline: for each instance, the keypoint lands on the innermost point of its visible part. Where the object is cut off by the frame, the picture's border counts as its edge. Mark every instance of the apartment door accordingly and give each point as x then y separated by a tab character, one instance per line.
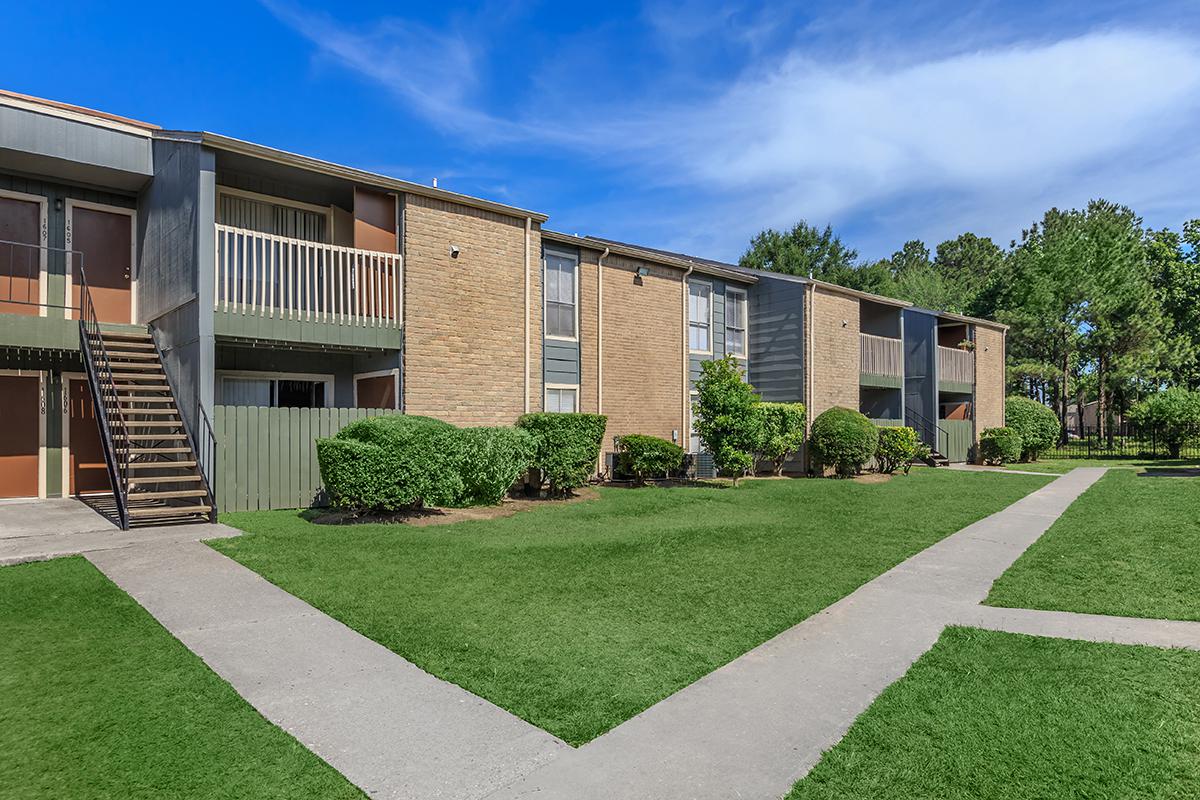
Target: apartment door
87	471
377	389
20	435
20	267
104	237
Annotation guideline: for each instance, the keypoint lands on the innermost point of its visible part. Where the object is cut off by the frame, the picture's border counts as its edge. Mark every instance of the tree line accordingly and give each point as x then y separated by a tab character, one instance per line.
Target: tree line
1100	307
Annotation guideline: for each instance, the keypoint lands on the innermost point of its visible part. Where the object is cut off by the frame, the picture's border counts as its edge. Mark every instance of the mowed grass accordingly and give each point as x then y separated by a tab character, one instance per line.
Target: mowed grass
1009	717
579	616
1129	546
98	701
1064	465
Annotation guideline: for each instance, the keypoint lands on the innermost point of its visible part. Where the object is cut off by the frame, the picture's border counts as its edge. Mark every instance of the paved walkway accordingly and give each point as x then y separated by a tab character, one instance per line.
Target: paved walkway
35	530
1086	627
757	725
390	728
1002	470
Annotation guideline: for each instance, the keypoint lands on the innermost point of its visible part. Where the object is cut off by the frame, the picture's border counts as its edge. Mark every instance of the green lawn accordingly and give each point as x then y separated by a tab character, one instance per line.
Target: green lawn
1008	717
579	616
1130	546
1062	465
98	701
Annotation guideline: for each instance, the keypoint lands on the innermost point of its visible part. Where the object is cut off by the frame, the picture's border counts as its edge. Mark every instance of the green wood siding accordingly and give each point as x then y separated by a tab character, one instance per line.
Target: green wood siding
268	328
47	333
267	457
956	439
881	381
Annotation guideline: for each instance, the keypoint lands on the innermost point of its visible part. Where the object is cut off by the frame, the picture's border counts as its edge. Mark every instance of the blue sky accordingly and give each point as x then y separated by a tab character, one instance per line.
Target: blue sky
687	125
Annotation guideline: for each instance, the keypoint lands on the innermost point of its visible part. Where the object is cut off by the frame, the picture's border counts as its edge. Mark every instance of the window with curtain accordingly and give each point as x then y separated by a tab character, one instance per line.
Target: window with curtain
272	392
560	295
278	220
561	400
700	317
735	322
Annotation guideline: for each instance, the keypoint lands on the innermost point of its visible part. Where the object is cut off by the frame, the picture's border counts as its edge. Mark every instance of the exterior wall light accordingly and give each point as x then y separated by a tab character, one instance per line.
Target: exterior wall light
454	251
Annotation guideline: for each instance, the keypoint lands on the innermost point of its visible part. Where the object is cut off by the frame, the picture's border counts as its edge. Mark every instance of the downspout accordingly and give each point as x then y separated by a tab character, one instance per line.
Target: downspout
809	293
684	430
600	331
528	231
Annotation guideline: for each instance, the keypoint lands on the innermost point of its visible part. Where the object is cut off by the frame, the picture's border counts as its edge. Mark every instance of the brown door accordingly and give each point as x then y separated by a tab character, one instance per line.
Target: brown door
376	392
88	471
19	398
105	239
20	267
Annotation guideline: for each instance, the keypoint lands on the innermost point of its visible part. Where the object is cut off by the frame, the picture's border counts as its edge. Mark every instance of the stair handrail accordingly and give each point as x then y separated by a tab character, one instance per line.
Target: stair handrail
104	389
929	426
210	439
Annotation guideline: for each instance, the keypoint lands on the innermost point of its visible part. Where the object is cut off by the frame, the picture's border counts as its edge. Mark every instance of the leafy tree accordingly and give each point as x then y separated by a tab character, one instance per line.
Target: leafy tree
783	432
1174	262
968	263
1175	413
727	418
804	250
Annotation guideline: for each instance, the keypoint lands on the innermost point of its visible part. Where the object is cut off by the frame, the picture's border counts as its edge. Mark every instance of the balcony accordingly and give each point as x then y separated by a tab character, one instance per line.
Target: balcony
881	360
956	367
274	287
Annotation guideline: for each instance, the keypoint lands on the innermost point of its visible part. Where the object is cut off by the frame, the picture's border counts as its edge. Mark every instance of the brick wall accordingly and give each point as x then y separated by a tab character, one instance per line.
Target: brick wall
464	358
989	378
835	351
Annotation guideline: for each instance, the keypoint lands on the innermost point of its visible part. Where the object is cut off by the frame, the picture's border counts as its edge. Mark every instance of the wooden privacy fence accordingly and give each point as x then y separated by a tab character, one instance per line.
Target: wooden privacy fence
956	438
267	457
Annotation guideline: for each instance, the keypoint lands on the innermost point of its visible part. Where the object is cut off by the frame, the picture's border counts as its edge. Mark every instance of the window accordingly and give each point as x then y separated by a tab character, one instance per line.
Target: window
270	391
561	400
735	322
700	317
560	296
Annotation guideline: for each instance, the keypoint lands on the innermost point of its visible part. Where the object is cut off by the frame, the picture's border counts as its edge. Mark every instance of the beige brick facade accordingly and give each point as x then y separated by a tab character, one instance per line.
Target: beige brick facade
464	351
834	351
989	378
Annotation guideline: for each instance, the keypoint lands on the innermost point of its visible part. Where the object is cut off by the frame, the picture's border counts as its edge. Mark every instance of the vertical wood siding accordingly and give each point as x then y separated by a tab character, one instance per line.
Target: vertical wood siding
267	457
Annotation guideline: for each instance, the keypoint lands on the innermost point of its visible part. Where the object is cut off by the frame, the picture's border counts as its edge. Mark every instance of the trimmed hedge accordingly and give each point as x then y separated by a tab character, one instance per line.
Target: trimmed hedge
392	463
493	459
1036	424
648	456
898	448
843	439
783	432
1000	446
567	447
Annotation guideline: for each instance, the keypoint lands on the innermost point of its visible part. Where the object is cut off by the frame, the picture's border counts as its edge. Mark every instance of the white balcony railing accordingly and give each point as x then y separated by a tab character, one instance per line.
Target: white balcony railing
274	276
956	365
881	355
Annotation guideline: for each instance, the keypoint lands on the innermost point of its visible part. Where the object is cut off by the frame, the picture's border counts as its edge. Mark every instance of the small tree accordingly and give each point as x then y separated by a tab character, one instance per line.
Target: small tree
1175	413
898	448
727	418
783	432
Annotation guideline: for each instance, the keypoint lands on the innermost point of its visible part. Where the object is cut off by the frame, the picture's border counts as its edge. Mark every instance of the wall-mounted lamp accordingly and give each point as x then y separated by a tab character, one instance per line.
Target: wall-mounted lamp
674	436
454	251
641	273
845	323
58	204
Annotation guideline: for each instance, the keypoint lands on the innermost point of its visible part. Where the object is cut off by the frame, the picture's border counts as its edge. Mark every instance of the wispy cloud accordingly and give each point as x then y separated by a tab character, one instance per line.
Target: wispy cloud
806	132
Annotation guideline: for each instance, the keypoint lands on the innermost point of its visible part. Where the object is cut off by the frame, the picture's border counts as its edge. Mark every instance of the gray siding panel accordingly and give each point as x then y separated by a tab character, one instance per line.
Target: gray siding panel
560	361
777	340
168	219
74	150
920	372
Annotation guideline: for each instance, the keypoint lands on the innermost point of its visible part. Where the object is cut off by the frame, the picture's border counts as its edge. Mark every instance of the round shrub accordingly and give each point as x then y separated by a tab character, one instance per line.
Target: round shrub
391	463
999	446
1036	424
492	461
648	456
783	432
898	448
1174	414
843	439
566	447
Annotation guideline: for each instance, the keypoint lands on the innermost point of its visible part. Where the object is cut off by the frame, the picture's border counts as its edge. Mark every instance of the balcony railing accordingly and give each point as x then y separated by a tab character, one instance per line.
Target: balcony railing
275	276
881	355
956	365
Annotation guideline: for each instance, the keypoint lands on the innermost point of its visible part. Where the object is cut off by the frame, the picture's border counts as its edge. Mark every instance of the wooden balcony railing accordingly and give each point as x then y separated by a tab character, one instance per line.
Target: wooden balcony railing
881	355
956	365
275	276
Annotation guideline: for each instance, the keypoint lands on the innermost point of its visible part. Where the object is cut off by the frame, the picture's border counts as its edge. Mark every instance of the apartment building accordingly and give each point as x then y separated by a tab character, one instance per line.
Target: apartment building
183	313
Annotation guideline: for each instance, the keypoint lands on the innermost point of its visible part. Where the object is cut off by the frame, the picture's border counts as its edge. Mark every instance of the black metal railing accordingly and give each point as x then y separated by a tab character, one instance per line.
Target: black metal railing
21	273
928	431
1128	439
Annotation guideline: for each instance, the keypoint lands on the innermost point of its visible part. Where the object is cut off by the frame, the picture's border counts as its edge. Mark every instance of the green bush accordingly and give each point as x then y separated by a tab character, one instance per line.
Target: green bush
392	463
999	446
898	448
1036	424
843	439
566	447
1173	413
783	432
726	417
492	461
648	456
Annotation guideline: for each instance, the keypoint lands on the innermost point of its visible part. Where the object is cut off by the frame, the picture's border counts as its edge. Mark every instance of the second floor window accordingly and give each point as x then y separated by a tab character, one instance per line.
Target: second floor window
735	322
560	296
700	317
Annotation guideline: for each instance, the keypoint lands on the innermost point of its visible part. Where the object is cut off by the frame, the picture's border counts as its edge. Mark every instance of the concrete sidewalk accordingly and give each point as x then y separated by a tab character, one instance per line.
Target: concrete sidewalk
390	728
757	725
1085	627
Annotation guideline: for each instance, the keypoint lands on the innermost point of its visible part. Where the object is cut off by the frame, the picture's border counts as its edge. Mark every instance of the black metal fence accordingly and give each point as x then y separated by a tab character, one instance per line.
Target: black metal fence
1131	440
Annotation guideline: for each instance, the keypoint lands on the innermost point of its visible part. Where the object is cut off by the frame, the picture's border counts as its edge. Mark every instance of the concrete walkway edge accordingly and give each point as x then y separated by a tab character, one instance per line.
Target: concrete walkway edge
1084	627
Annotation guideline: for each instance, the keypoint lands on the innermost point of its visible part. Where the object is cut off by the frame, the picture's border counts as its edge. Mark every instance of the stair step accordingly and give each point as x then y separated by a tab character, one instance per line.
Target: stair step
151	366
128	398
141	376
151	423
149	451
144	387
132	355
178	493
136	336
151	437
168	511
128	346
164	479
161	464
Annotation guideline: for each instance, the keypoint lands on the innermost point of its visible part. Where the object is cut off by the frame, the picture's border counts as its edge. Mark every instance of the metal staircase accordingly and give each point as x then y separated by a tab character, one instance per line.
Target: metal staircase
928	431
149	448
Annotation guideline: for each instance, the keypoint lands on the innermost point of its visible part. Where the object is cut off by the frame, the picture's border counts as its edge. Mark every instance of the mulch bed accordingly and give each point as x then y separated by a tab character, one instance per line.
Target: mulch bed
447	516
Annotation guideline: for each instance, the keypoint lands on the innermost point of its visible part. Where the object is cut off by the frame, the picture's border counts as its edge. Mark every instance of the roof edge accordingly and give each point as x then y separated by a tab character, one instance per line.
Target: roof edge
76	113
646	254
